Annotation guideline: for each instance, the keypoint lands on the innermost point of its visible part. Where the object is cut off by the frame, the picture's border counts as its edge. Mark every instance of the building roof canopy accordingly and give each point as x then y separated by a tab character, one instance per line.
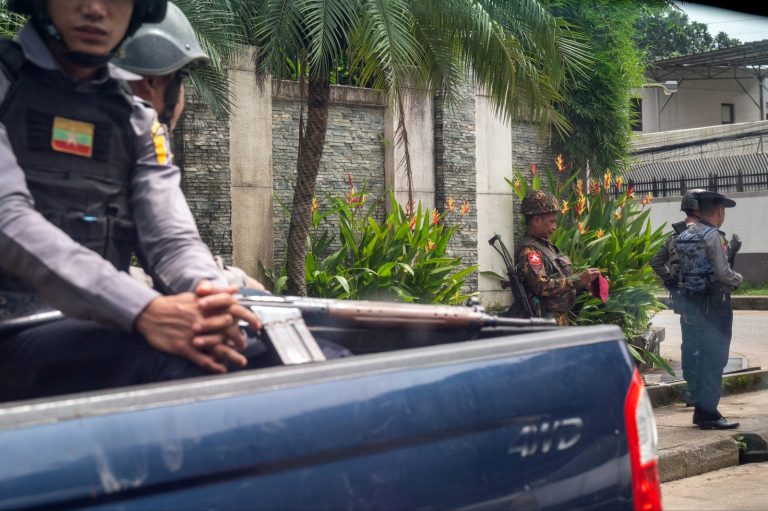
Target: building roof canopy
752	54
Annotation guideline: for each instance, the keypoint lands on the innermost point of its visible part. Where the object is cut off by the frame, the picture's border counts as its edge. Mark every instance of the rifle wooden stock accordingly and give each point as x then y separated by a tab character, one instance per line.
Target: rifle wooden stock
389	315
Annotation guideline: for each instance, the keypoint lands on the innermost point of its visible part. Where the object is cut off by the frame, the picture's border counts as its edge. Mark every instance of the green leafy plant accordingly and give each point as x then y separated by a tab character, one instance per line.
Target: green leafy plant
602	224
402	258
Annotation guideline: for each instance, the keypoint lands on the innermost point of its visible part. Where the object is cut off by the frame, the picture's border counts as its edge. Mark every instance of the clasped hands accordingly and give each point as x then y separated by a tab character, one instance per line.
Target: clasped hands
202	326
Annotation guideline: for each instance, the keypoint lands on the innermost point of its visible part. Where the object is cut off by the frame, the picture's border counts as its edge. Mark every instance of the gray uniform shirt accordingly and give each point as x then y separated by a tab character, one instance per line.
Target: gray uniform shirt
76	280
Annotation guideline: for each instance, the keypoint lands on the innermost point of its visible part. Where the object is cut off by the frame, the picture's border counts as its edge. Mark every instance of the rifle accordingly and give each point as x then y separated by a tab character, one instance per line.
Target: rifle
518	291
735	247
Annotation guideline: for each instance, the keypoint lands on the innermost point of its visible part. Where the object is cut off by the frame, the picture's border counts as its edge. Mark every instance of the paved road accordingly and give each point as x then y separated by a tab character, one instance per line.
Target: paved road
739	488
749	336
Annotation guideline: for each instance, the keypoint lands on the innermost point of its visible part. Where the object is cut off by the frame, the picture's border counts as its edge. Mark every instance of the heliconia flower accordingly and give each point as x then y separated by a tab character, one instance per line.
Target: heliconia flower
607	180
649	198
412	223
600	233
349	180
564	209
465	207
594	188
560	163
517	184
619	181
581	205
581	227
580	187
631	191
617	214
533	169
363	198
435	217
314	204
430	246
450	204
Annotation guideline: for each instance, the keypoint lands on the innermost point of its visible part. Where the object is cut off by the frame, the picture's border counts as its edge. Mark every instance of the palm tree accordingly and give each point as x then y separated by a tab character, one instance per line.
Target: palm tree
515	49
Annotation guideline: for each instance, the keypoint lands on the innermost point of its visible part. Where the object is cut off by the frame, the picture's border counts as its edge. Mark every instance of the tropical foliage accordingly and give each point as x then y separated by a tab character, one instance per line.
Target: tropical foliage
401	258
598	105
602	224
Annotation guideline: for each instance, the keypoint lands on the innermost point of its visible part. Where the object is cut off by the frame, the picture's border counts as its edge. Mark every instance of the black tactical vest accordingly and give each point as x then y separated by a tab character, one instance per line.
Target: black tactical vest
78	155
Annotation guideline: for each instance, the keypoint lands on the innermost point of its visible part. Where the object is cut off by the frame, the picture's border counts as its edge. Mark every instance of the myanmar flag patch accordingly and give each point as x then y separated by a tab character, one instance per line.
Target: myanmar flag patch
72	137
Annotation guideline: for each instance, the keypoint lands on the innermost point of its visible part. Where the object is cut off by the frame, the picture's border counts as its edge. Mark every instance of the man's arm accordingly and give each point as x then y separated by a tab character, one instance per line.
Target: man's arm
721	270
67	275
176	257
659	262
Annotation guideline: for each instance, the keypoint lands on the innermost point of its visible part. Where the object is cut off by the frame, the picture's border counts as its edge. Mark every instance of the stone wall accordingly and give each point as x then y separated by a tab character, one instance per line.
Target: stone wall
354	147
201	147
455	170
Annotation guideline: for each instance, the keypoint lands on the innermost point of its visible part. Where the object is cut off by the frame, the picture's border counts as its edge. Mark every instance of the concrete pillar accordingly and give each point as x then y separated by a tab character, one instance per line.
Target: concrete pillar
419	123
495	204
251	167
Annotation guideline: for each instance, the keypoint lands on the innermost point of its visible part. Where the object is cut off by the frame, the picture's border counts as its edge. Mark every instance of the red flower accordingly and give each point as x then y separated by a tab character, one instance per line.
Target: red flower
533	169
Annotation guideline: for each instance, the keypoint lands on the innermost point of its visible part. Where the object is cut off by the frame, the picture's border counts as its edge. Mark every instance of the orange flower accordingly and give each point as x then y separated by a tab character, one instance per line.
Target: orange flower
580	187
619	181
465	207
564	209
582	229
631	192
581	205
533	169
594	188
600	233
435	217
560	163
517	184
617	214
649	197
412	223
430	246
450	204
607	179
314	204
363	198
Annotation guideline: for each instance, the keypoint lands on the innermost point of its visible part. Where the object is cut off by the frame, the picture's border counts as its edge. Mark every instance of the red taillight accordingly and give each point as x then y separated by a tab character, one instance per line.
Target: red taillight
642	439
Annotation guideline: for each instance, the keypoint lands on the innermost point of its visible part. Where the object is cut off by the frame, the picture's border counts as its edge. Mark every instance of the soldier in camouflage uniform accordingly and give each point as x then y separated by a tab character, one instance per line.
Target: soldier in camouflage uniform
708	279
547	273
666	264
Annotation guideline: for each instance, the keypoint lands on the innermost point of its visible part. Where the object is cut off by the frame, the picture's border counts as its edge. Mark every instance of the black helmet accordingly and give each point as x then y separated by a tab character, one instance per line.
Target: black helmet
691	199
144	11
159	49
714	198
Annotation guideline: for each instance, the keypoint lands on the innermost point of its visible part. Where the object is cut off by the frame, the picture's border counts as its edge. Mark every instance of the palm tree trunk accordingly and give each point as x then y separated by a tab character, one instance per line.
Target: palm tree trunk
307	166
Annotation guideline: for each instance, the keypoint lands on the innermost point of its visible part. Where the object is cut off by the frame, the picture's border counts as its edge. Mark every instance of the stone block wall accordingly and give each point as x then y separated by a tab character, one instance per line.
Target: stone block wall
201	150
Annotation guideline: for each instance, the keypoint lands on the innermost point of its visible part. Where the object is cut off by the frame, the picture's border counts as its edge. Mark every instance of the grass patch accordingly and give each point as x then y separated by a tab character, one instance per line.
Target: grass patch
750	289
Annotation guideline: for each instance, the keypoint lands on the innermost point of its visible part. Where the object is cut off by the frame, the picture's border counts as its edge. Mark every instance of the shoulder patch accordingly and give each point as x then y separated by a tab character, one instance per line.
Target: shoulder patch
160	140
534	259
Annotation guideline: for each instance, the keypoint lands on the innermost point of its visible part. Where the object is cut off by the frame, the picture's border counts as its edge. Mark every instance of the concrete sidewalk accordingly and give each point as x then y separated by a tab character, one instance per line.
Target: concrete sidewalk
685	450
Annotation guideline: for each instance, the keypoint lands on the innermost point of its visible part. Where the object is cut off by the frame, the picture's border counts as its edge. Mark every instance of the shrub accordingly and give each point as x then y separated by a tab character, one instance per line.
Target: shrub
403	258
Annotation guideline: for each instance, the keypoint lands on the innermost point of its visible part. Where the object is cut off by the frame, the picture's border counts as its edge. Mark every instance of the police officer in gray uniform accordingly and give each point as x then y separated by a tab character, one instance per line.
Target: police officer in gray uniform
87	180
708	280
666	263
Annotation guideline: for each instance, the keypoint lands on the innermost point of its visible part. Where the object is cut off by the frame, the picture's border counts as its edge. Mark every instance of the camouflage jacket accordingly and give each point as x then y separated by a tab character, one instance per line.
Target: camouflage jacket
547	275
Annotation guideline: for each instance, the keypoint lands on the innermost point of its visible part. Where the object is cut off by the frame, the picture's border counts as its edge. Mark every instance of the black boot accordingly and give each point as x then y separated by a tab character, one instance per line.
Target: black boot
709	420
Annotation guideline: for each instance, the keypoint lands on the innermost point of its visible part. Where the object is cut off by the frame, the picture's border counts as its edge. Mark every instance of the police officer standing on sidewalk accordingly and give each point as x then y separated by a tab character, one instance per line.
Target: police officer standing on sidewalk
547	273
666	264
708	280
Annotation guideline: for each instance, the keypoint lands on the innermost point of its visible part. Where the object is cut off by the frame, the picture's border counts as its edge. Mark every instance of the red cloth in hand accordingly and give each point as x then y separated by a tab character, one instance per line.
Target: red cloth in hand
599	288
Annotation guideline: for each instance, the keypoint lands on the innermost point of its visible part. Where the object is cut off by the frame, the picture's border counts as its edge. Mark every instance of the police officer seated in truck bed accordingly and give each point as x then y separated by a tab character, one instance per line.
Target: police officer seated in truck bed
88	180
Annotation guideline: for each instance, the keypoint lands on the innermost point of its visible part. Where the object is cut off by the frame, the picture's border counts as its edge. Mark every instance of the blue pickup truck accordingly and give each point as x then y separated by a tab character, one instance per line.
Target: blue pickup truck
494	417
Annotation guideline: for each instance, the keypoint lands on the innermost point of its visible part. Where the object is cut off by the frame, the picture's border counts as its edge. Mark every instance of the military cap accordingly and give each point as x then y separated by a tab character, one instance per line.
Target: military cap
691	199
715	198
539	202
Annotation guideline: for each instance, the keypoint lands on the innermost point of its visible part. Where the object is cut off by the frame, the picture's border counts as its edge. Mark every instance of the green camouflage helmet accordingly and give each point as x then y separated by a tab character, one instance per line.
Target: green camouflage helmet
691	199
539	202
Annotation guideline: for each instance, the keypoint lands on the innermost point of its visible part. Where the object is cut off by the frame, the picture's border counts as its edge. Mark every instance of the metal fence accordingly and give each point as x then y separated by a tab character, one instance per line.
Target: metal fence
742	173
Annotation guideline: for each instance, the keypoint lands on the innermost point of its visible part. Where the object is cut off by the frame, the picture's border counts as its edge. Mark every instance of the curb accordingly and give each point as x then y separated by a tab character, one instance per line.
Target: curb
698	459
733	383
739	302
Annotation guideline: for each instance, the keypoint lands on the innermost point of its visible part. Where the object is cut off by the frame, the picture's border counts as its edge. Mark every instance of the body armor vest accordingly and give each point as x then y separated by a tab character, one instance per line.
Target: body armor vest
556	265
695	266
77	151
